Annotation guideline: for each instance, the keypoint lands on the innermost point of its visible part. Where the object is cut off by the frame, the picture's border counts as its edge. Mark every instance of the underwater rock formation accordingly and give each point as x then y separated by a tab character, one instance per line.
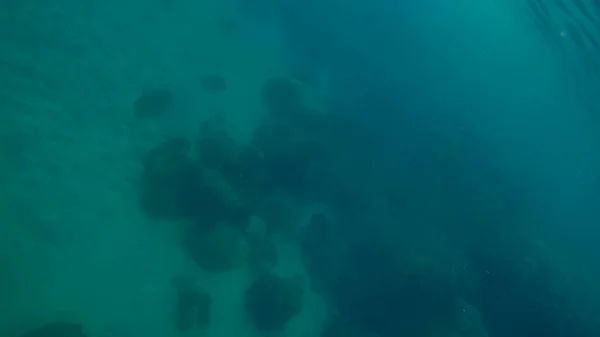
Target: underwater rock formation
175	186
242	167
280	216
152	103
193	305
57	329
271	301
216	150
292	140
249	174
215	249
167	171
211	199
291	168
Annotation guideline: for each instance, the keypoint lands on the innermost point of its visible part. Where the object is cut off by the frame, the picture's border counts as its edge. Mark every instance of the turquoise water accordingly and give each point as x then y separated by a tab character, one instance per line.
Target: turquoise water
299	168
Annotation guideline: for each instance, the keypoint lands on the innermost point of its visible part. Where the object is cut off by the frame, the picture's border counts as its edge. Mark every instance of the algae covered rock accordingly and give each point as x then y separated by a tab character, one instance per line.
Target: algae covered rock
217	150
211	199
241	167
168	170
271	301
280	216
249	173
216	249
174	186
291	167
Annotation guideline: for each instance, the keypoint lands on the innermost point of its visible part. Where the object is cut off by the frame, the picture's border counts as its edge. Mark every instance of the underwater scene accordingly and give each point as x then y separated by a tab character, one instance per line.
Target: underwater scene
300	168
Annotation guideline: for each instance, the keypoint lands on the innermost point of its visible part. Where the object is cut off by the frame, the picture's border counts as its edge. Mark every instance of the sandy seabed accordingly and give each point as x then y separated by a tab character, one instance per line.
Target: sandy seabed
74	244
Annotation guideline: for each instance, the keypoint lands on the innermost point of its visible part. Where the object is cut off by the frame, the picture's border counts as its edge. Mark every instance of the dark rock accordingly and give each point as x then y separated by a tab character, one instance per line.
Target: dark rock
152	103
176	187
279	216
271	301
251	160
291	167
217	249
249	173
217	150
210	199
57	329
168	170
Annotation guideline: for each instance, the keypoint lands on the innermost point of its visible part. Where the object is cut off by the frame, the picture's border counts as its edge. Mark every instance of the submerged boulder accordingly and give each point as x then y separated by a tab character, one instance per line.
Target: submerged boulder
249	173
210	199
216	249
280	217
217	150
168	170
271	301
